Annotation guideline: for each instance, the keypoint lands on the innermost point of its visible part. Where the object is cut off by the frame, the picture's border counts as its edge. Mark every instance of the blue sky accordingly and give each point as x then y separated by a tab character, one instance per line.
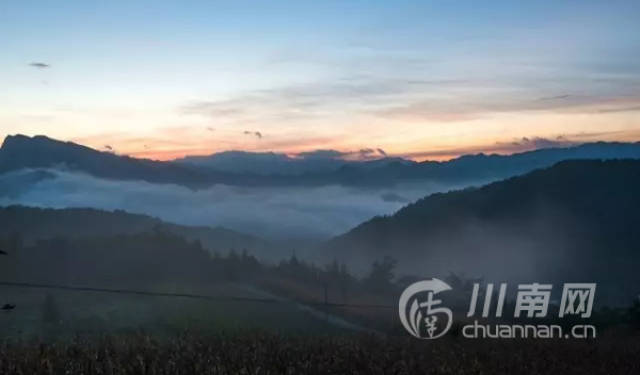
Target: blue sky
428	79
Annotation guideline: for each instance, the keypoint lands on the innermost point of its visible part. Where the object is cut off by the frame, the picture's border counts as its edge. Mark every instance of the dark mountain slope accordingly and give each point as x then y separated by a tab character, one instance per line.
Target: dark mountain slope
36	223
577	220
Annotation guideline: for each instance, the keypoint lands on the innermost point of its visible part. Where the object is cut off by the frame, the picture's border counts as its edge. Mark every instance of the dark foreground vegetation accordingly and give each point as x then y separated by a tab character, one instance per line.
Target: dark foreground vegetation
262	353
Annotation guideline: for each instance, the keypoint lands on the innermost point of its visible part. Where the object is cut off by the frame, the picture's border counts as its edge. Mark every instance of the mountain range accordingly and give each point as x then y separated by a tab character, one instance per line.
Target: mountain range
272	169
543	219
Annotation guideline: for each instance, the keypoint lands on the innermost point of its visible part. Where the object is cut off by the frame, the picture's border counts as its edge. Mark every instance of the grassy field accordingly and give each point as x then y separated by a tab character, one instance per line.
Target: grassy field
90	313
266	353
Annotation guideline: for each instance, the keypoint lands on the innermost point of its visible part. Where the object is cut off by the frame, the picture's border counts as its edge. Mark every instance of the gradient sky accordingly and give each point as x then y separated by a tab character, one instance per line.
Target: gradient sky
427	79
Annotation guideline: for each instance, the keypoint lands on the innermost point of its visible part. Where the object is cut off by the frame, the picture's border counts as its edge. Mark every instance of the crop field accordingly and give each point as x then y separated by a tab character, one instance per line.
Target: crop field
255	352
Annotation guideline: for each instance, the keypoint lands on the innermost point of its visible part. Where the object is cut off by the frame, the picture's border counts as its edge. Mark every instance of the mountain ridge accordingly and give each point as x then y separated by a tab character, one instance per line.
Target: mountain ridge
575	220
19	151
35	223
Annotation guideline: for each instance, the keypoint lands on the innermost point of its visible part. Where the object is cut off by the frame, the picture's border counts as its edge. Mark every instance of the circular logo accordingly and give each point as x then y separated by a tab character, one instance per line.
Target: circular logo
419	311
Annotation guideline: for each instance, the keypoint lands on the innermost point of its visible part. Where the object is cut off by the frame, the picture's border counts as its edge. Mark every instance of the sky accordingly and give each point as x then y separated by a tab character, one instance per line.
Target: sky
417	79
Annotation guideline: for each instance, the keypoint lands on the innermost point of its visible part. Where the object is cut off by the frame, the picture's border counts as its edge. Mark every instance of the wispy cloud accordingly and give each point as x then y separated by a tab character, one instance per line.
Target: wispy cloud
557	97
532	143
39	65
415	99
619	109
470	107
351	94
257	134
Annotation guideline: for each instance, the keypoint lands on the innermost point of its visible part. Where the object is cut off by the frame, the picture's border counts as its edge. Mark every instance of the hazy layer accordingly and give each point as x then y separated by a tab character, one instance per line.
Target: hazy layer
274	212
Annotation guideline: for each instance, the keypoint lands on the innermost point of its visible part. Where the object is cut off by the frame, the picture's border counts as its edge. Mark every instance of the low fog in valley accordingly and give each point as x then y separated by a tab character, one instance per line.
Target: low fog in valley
305	212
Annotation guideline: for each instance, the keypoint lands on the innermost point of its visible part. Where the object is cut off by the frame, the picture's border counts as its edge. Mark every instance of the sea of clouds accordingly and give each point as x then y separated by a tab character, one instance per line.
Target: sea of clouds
272	212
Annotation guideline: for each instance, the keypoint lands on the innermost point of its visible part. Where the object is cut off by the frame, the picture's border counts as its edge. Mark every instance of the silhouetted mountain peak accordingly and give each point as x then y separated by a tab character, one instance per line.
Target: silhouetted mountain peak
19	151
40	148
21	142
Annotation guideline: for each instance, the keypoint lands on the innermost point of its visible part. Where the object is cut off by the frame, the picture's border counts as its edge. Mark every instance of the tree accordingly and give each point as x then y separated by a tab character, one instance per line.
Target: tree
345	281
381	274
333	268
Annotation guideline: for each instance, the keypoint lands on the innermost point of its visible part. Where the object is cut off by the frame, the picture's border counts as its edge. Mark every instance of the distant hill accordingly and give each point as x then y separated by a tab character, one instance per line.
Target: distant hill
20	151
576	221
271	163
384	170
37	223
271	169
